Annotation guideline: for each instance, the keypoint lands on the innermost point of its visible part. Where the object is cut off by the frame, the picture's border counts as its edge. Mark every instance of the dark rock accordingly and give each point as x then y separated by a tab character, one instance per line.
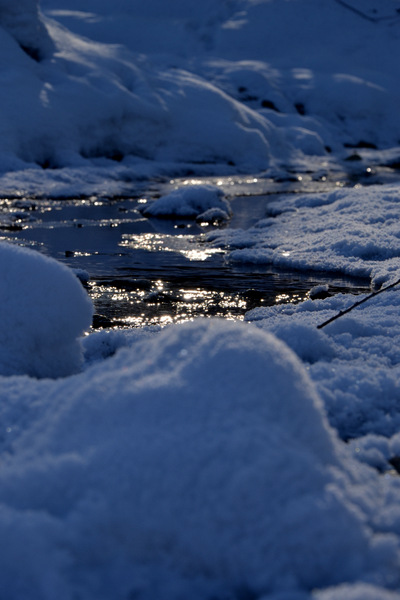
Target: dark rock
301	109
394	165
269	104
361	144
319	295
395	462
353	157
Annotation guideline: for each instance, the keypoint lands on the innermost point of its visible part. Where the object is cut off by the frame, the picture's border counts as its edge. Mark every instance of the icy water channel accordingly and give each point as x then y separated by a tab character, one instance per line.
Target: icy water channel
153	272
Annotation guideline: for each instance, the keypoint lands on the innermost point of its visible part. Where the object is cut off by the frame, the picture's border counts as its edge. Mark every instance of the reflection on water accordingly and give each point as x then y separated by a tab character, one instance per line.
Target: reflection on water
152	271
190	246
162	304
137	301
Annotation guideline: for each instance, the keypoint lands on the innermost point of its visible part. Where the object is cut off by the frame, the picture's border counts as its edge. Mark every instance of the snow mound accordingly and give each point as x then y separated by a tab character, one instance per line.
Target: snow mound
196	463
97	104
44	309
191	201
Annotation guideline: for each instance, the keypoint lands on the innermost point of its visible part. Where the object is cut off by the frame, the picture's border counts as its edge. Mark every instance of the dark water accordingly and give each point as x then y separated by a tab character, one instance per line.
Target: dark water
151	271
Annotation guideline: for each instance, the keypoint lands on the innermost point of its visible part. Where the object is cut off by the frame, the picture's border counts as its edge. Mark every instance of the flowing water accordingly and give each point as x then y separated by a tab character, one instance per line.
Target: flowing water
157	271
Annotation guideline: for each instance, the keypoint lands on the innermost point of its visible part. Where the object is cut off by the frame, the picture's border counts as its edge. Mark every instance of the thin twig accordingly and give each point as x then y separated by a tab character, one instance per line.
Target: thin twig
343	312
357	12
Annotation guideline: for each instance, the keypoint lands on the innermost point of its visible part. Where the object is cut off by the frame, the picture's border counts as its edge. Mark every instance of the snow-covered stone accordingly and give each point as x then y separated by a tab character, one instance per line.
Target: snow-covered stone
189	201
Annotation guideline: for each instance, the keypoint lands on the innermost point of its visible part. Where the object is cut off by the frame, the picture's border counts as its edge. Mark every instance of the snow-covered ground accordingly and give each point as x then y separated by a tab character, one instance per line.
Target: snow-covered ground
212	459
111	91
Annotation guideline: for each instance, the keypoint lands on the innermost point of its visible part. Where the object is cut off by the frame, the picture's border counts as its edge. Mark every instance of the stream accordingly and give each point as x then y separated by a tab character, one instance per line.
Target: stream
142	271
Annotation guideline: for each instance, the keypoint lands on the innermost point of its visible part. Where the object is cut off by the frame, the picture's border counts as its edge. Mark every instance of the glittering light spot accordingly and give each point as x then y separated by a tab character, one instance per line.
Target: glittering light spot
182	244
165	320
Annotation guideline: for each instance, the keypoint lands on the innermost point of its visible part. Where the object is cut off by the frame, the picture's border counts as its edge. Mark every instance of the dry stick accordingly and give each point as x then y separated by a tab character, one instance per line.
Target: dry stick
343	312
357	12
362	14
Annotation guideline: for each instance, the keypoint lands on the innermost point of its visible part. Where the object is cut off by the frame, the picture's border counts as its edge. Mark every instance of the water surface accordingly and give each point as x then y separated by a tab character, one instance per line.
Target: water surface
156	271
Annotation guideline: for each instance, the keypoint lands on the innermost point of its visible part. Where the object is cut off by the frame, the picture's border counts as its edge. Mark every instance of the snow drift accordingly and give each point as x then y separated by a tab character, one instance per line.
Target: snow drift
95	84
67	100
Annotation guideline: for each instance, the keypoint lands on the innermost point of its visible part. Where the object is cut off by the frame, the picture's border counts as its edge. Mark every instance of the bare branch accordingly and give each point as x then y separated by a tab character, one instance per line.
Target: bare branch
344	312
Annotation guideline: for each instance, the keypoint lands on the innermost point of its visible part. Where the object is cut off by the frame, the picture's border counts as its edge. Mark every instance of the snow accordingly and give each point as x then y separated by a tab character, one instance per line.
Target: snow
44	313
127	89
25	24
338	231
87	101
189	460
354	360
202	201
212	459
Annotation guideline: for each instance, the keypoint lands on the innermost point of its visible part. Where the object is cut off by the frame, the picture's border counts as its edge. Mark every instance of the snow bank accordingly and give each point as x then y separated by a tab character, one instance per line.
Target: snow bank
331	61
352	231
321	86
112	84
201	462
190	201
44	310
91	104
196	463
